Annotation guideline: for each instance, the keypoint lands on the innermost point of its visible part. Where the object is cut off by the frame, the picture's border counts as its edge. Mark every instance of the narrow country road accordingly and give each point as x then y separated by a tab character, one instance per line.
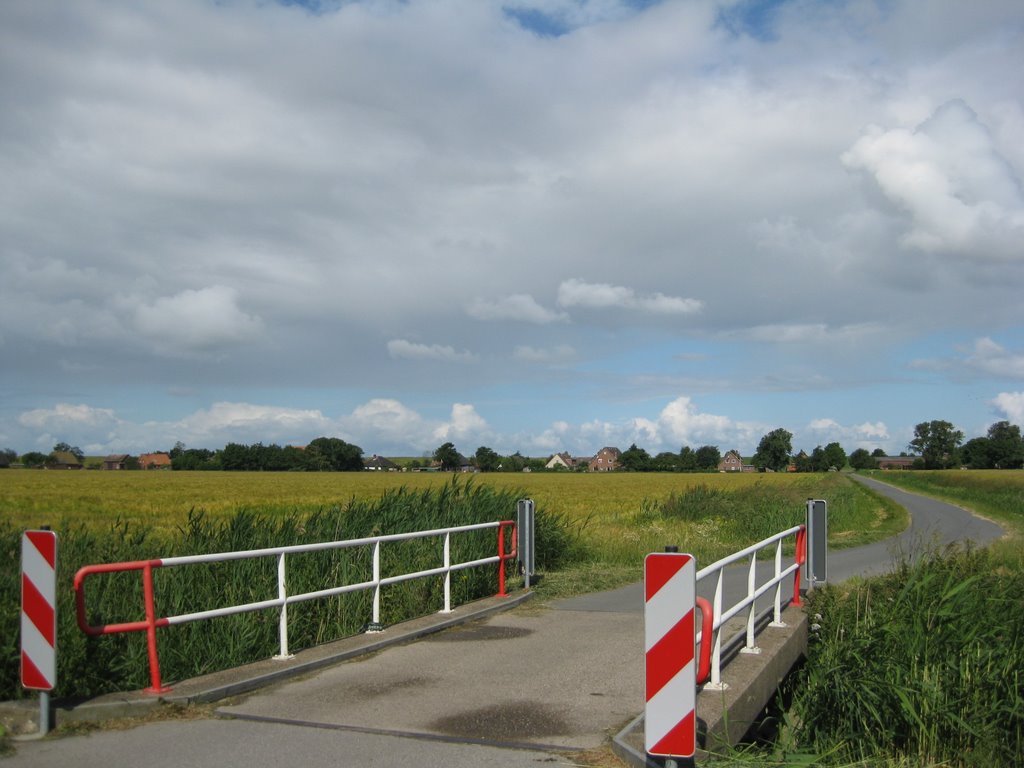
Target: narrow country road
932	523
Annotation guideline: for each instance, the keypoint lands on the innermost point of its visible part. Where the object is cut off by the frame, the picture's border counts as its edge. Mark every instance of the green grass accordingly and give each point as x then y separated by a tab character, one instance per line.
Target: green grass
925	665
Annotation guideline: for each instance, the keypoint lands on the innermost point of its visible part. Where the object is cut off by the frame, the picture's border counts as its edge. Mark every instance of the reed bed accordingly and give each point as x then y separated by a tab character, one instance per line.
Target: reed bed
923	667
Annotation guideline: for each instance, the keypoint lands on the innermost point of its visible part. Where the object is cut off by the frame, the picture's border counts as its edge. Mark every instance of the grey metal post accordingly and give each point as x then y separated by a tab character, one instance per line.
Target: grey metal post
817	541
525	532
44	713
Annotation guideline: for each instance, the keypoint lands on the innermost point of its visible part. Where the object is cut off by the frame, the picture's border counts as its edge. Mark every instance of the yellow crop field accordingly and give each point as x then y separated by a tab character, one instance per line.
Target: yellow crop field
31	498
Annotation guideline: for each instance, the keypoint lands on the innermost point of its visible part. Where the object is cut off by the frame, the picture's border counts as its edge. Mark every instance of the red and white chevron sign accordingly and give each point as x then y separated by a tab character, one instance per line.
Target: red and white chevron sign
39	610
670	721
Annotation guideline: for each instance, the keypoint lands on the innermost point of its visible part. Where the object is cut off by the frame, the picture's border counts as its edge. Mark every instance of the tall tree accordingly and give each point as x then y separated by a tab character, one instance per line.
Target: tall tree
687	458
707	457
834	456
447	457
635	459
1006	448
332	453
861	459
487	459
977	453
774	449
938	443
666	461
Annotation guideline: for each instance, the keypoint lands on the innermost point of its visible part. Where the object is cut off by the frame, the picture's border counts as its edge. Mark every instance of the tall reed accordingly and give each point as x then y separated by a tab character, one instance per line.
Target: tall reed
925	665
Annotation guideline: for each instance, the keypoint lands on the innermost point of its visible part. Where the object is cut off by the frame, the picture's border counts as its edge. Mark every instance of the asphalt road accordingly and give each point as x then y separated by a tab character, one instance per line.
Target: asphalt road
523	688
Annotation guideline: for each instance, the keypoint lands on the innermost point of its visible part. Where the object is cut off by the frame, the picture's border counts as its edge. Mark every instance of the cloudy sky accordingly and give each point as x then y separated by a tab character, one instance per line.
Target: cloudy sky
532	225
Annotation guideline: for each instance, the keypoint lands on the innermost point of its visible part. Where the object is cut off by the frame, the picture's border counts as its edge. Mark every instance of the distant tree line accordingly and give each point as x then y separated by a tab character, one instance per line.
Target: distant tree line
937	444
325	454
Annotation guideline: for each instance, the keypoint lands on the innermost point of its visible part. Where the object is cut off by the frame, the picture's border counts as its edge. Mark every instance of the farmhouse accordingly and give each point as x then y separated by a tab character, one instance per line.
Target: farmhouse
379	464
154	461
63	460
606	460
896	462
116	461
731	462
561	461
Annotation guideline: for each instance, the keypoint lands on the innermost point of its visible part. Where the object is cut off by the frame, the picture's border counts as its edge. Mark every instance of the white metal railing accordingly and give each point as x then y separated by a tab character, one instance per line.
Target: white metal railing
749	600
283	599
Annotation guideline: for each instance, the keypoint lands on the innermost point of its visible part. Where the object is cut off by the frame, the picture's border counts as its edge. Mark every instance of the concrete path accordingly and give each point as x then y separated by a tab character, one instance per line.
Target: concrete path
516	689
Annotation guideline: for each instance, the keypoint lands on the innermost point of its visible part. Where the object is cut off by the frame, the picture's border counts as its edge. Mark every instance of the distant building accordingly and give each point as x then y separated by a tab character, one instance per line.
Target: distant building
731	462
896	462
116	461
154	461
379	464
561	461
606	460
63	460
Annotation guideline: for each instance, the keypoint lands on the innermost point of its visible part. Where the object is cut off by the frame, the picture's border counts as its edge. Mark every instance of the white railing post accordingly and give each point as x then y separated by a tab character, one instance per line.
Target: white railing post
716	684
447	574
375	625
282	595
778	622
751	644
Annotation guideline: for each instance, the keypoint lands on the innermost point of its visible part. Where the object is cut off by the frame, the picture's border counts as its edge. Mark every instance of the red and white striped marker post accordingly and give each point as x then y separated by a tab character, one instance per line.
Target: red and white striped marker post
39	618
670	720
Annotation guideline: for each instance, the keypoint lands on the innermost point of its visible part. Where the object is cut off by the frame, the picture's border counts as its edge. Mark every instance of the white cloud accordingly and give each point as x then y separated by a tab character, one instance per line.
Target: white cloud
68	416
958	192
985	357
559	354
1011	405
681	422
196	320
402	349
518	307
993	359
823	431
465	423
386	422
241	422
810	333
578	293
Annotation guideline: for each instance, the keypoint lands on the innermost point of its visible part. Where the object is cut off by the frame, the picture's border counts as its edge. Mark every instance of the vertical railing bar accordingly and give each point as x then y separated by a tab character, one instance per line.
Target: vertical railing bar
716	653
154	657
282	595
447	573
376	584
778	622
751	645
501	561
